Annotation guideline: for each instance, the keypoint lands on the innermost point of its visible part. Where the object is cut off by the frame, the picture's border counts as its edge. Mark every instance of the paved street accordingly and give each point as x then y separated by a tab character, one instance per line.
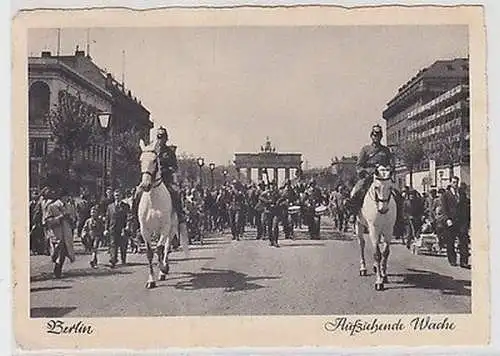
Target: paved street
251	278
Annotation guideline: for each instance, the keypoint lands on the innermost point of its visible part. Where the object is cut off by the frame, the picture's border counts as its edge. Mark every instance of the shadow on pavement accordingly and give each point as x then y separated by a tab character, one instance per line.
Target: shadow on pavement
421	279
136	264
230	280
50	312
43	289
205	246
337	236
181	259
304	245
78	272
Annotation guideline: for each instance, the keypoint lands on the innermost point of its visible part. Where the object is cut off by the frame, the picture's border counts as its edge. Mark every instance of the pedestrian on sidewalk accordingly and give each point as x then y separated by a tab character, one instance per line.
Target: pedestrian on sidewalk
38	241
116	220
57	219
82	206
450	201
92	232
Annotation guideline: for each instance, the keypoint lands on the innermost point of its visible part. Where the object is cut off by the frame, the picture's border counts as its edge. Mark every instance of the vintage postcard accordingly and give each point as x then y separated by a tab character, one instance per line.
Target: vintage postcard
250	177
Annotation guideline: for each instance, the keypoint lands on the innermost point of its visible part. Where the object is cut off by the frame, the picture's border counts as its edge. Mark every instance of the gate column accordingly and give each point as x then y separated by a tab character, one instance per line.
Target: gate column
249	174
287	173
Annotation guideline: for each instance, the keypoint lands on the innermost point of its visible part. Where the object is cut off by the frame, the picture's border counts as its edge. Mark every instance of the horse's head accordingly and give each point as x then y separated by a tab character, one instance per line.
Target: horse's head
149	166
382	188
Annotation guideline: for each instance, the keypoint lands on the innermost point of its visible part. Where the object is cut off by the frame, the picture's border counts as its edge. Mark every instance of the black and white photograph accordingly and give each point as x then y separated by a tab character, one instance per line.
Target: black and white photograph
180	171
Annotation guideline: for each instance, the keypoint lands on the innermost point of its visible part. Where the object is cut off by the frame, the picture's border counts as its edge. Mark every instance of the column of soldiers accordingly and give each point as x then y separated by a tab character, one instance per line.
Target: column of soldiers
262	206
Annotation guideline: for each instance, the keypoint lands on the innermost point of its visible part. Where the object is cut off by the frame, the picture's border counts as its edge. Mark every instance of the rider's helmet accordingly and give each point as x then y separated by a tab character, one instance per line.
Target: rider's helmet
162	133
377	130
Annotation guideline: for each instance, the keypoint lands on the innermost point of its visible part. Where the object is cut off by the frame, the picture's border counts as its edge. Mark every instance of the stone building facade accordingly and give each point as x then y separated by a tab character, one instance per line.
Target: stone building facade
433	109
54	80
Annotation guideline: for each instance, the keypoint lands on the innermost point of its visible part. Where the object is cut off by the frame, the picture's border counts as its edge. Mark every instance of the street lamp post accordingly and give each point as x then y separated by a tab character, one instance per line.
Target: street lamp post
201	163
104	121
225	175
441	173
212	167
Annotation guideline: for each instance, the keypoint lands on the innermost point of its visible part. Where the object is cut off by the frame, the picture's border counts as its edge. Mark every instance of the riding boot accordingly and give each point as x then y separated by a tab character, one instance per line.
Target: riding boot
135	202
177	204
399	225
354	202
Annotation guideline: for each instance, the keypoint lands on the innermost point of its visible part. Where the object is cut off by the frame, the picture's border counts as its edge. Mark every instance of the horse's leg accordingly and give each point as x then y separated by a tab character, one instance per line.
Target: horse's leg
146	235
162	252
361	239
151	283
377	256
386	249
385	256
163	249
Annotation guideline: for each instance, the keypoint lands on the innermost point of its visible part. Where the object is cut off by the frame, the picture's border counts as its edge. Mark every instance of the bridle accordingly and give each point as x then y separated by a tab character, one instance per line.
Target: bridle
376	198
158	180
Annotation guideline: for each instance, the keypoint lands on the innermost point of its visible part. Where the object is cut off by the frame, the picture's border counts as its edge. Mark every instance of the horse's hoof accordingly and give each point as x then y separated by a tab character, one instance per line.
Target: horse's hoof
165	269
363	272
379	286
161	277
150	285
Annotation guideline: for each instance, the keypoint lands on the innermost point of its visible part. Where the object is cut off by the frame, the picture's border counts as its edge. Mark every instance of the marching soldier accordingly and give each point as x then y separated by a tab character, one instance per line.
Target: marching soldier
313	198
237	210
290	196
260	207
276	213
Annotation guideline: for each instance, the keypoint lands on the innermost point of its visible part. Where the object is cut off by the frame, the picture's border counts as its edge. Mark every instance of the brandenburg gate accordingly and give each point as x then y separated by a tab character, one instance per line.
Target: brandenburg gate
267	159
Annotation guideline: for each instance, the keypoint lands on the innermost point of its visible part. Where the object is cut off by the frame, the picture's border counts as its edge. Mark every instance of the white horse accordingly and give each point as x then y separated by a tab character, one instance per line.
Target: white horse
156	214
378	214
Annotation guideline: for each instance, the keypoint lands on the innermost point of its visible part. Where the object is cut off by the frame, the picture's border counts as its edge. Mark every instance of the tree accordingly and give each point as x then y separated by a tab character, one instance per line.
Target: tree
73	127
449	153
126	158
411	153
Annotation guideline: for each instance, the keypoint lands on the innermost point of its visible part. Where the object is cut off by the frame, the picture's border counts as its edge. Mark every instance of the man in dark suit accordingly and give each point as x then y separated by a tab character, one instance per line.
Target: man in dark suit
452	202
463	218
116	221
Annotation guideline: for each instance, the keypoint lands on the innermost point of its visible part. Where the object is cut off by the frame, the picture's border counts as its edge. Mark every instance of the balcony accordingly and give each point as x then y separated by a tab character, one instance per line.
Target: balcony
440	100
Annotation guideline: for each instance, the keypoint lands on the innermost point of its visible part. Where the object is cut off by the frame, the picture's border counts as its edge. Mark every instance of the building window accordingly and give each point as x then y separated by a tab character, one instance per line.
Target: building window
34	173
38	102
38	147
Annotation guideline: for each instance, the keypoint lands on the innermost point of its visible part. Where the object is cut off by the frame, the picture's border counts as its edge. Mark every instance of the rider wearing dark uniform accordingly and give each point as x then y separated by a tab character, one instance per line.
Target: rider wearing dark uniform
168	166
370	157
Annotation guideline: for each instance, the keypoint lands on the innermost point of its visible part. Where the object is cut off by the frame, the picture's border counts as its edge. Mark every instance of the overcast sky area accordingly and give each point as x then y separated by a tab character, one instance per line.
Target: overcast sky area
313	90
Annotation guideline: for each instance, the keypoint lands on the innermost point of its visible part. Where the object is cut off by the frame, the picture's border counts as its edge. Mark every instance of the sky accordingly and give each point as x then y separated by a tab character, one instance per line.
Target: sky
312	90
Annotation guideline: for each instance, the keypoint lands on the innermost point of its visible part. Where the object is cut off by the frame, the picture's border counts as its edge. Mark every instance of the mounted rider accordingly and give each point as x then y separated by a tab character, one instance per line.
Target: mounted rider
370	157
168	166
